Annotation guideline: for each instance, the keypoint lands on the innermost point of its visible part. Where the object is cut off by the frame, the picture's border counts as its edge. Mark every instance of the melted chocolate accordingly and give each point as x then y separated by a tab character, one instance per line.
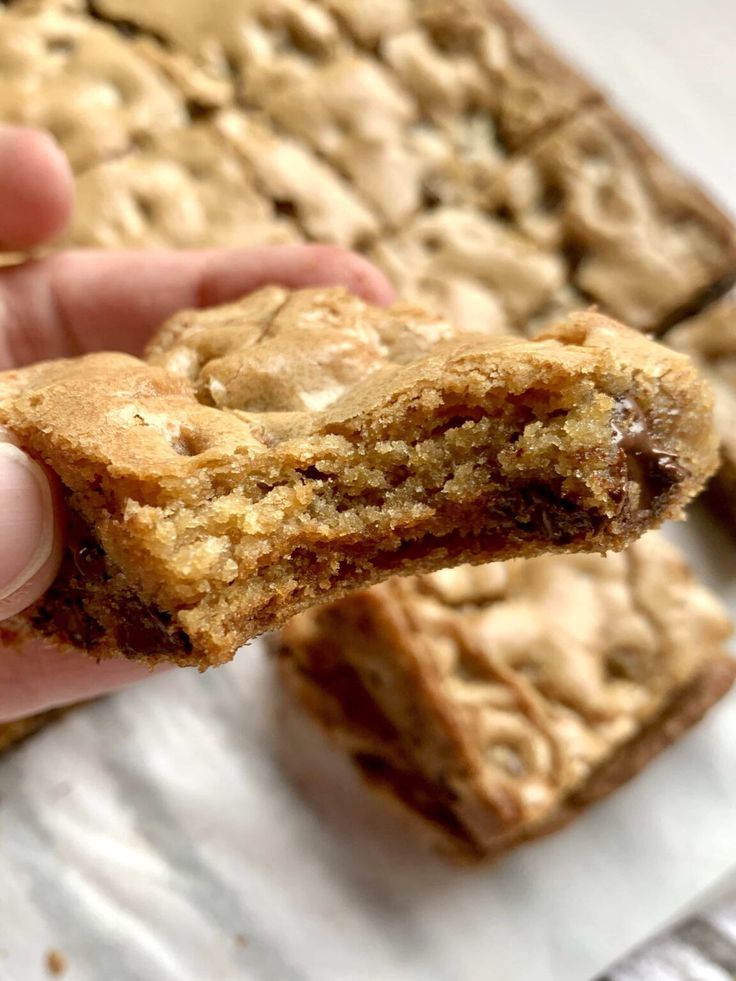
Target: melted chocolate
653	469
538	509
89	558
78	610
143	631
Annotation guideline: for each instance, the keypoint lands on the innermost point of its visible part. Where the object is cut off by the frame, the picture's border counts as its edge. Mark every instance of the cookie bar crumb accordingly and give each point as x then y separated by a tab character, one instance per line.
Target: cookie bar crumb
56	963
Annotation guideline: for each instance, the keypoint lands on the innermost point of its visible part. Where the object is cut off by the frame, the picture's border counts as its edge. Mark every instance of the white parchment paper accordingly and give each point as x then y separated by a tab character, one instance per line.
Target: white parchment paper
194	829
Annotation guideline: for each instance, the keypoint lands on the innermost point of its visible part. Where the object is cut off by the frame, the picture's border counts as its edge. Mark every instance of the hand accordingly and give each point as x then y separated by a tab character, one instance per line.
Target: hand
72	302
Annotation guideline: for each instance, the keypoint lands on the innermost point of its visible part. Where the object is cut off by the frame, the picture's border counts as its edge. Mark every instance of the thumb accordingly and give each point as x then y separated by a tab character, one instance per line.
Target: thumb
30	540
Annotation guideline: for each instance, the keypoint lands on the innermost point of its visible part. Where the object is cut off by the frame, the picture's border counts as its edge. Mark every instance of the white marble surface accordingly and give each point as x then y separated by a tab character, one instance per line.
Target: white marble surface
193	830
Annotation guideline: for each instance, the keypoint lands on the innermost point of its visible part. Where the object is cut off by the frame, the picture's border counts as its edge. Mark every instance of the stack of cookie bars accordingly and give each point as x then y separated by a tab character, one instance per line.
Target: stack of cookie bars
445	140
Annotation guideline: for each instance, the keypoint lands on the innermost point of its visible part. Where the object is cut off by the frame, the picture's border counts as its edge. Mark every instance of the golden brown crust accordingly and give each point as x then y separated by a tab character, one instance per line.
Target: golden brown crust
496	703
535	89
295	180
423	42
296	445
474	267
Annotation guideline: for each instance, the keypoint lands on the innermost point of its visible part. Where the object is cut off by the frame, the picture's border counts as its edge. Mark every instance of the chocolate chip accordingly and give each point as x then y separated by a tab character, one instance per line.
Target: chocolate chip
89	558
71	610
142	631
64	618
654	470
84	551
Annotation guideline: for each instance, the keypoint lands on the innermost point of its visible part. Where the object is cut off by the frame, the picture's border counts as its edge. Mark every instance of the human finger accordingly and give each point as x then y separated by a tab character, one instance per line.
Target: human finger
36	188
30	528
81	301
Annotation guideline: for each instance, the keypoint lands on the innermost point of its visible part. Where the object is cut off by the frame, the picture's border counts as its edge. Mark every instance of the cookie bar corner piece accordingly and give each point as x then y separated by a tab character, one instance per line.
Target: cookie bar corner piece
495	703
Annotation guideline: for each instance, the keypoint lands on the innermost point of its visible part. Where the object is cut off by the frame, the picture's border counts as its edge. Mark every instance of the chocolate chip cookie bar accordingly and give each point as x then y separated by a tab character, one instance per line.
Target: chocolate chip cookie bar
449	57
709	339
445	140
285	449
495	703
474	267
185	188
640	240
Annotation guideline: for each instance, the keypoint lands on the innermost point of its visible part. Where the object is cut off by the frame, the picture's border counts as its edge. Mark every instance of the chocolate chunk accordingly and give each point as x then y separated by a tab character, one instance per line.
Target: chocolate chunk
83	550
142	631
89	558
543	510
70	624
653	469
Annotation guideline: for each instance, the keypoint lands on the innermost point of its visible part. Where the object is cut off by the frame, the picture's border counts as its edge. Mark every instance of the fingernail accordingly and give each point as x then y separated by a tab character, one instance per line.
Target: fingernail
26	519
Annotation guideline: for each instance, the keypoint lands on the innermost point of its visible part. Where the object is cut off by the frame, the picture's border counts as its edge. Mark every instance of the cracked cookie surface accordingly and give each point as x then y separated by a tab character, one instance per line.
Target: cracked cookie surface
94	90
495	702
185	189
292	446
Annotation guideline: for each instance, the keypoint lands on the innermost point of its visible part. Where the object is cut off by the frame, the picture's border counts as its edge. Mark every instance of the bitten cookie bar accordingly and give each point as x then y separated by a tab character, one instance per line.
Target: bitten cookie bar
496	702
285	449
710	340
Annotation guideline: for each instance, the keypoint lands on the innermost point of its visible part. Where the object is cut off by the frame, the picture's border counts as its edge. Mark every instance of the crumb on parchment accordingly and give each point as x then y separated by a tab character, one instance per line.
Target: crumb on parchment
56	962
